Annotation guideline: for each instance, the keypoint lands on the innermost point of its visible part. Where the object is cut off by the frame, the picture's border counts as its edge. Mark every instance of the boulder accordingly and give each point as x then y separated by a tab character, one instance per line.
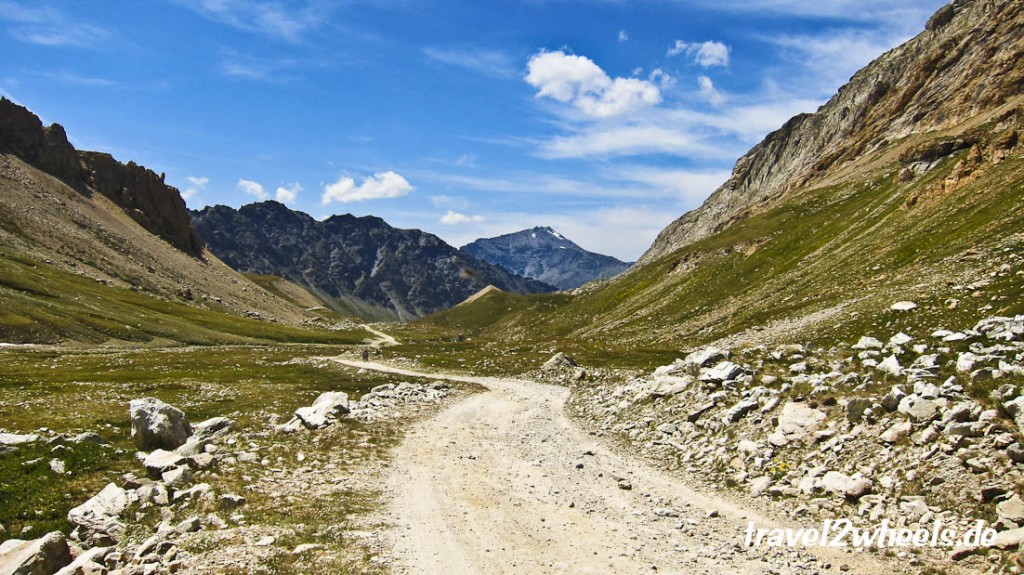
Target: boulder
88	563
760	485
740	410
1015	407
705	356
866	342
722	371
557	361
891	366
42	556
1011	509
842	484
896	432
99	515
855	409
918	409
796	421
13	439
205	432
159	461
328	406
891	401
157	425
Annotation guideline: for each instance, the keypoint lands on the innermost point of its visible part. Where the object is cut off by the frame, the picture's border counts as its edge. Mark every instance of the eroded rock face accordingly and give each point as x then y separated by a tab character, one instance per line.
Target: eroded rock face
140	192
157	425
967	62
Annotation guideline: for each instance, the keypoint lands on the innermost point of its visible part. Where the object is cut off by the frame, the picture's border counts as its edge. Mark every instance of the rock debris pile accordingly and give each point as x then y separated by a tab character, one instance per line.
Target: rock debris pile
910	429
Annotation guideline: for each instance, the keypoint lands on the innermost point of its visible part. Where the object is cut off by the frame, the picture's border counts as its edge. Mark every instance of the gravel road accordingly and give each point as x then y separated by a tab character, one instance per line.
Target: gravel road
503	482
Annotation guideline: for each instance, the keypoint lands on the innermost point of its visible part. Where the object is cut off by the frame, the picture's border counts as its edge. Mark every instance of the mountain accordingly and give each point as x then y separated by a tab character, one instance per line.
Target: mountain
907	186
93	250
950	78
545	255
359	265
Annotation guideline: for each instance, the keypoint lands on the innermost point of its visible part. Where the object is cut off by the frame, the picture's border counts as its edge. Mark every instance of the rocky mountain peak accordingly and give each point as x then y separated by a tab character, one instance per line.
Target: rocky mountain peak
544	254
966	64
139	191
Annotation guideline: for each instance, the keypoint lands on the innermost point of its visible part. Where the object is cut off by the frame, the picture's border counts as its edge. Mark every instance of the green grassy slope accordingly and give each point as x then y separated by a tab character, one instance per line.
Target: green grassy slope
822	267
40	303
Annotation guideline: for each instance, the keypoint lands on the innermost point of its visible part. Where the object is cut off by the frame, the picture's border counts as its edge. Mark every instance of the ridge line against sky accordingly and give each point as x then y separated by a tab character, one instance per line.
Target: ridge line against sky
603	119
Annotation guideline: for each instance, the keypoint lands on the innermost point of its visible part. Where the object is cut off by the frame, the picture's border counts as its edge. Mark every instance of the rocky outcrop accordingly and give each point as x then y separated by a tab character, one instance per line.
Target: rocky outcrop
140	192
358	265
967	62
545	255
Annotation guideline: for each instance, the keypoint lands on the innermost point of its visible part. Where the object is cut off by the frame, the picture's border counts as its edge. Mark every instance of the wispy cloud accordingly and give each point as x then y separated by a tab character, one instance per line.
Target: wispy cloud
47	26
487	62
287	21
248	67
196	185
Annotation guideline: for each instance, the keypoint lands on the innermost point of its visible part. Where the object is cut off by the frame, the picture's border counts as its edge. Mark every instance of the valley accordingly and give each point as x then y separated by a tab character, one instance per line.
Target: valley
835	335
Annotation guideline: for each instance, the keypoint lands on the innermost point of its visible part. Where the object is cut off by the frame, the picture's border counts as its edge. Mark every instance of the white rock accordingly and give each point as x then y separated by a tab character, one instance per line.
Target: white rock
890	365
100	514
48	554
156	425
866	342
327	407
903	306
796	421
12	439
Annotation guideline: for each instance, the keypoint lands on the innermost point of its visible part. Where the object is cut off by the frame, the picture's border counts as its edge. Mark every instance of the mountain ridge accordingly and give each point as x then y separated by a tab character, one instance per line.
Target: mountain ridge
360	265
939	80
544	254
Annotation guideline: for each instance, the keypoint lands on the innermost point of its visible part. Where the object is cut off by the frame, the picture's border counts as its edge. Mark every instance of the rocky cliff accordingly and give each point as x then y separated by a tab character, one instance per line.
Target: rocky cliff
543	254
139	191
361	265
965	65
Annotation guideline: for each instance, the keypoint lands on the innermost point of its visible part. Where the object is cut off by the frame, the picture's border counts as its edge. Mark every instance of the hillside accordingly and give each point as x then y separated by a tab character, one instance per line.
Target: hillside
92	250
543	254
964	69
826	223
361	266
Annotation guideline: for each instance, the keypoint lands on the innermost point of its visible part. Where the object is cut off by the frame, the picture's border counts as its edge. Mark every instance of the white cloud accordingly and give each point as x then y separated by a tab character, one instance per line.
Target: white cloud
709	92
623	36
706	54
661	78
253	188
569	78
455	218
378	186
287	194
195	185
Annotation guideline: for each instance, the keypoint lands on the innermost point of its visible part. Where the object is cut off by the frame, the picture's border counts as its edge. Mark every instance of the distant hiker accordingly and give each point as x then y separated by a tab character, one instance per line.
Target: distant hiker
376	352
366	355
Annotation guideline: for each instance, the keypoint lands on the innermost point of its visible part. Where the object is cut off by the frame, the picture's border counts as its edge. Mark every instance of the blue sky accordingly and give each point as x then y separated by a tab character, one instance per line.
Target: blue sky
605	119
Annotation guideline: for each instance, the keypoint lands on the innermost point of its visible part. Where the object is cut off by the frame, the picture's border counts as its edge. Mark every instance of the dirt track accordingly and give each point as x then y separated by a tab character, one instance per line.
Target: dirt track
502	482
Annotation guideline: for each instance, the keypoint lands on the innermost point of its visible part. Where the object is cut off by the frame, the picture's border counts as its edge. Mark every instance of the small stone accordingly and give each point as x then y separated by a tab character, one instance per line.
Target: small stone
903	306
